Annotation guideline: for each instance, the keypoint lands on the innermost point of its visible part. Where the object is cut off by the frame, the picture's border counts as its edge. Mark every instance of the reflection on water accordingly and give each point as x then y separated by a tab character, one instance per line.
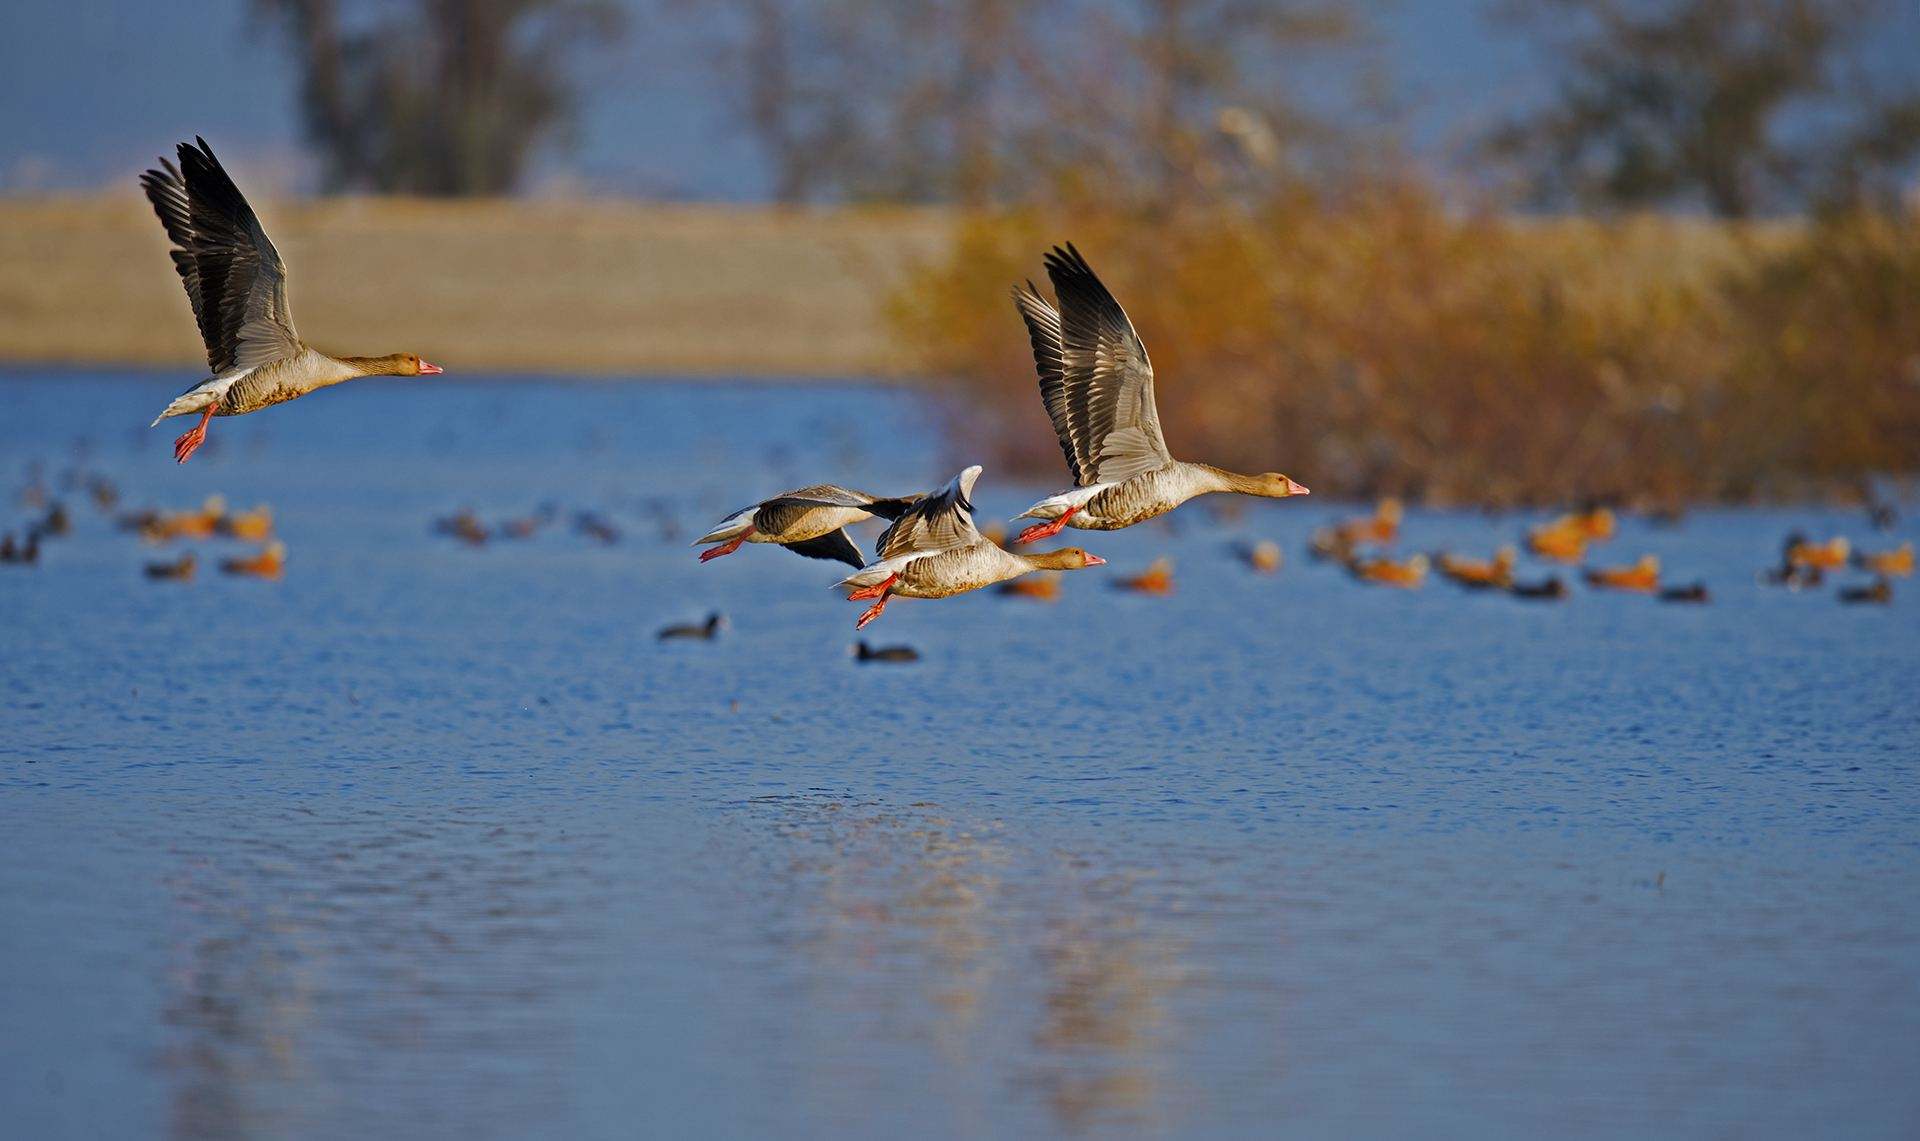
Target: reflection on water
1107	981
1041	968
360	973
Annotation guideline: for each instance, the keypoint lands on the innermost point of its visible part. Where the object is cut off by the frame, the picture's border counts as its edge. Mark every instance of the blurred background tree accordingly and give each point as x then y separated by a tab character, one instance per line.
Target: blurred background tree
995	101
1737	106
448	98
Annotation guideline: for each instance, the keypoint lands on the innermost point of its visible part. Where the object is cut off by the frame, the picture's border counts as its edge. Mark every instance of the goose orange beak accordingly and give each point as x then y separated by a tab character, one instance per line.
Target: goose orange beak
1094	560
429	369
1294	488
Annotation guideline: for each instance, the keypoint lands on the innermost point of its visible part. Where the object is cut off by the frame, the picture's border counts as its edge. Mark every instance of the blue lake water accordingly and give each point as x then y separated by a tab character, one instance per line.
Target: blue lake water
429	840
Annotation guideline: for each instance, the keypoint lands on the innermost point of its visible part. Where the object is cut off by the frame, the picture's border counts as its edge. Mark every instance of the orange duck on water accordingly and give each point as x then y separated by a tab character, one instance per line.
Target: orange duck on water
1156	579
1264	556
269	562
1897	563
1477	574
255	526
167	526
1830	555
1560	541
465	526
1643	577
1043	587
1339	540
1596	523
1406	574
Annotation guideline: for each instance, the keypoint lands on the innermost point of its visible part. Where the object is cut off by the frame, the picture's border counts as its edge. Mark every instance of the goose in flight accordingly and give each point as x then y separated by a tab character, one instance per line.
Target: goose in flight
934	551
1097	385
237	286
810	521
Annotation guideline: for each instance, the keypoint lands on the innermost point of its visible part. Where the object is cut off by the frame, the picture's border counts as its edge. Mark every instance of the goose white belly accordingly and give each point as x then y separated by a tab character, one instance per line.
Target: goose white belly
1054	506
209	391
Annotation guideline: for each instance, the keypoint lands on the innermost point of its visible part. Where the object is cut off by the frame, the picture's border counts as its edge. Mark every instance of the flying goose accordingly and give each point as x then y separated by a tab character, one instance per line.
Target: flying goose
1097	385
237	286
809	521
933	551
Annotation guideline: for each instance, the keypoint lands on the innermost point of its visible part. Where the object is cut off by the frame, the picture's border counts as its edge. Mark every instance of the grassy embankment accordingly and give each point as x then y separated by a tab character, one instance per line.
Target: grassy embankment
594	288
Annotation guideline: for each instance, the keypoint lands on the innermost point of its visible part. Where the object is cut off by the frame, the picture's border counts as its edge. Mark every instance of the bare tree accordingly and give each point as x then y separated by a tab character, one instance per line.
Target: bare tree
1670	101
975	101
437	97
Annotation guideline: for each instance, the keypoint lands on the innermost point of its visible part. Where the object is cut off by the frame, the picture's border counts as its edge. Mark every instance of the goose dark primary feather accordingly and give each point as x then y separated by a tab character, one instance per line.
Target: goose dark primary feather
1097	385
809	521
236	284
934	551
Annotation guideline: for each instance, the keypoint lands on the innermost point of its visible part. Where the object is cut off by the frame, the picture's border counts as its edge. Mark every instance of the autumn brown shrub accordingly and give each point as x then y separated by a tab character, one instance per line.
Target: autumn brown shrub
1379	342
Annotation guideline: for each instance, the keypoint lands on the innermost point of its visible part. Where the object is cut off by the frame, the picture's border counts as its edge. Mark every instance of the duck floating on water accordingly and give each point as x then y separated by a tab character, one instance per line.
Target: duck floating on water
934	551
237	286
24	554
1560	541
1830	555
179	570
1406	574
1897	563
1097	385
1382	528
255	526
465	526
166	526
1694	592
703	631
1477	574
1643	577
1042	587
1549	589
1263	557
865	653
1880	593
809	521
1156	579
270	562
596	527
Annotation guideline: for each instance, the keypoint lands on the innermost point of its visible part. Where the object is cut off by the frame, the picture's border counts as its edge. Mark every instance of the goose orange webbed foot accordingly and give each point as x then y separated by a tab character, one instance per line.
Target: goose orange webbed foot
872	612
1045	530
191	439
712	553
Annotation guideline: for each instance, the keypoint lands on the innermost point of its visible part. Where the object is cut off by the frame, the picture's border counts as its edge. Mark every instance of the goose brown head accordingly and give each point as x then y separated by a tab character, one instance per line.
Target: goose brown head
394	364
1066	558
